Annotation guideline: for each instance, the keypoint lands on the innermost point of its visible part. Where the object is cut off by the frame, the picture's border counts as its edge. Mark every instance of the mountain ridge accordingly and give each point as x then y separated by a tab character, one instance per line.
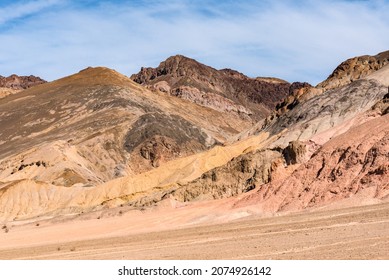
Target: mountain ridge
225	90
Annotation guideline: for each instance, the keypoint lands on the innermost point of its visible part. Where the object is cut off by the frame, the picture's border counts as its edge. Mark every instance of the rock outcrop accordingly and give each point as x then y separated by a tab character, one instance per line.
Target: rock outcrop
353	69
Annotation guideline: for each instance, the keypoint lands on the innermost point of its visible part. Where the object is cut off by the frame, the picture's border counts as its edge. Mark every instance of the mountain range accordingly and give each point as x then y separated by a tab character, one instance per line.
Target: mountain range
184	134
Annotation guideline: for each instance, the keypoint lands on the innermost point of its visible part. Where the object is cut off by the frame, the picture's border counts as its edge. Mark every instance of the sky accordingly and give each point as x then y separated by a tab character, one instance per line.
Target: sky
288	39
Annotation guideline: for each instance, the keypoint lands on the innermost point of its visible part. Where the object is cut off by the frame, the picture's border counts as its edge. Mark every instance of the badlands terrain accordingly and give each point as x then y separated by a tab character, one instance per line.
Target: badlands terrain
184	161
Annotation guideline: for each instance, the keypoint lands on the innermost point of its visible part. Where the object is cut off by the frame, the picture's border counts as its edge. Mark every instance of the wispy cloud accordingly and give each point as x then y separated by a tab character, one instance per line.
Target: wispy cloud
17	10
294	40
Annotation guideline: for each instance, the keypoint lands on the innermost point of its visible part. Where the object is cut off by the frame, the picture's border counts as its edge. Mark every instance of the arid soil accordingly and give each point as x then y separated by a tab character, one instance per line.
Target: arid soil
349	233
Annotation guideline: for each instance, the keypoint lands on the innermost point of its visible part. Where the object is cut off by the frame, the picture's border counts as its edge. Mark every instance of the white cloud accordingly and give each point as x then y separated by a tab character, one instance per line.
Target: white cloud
287	40
22	9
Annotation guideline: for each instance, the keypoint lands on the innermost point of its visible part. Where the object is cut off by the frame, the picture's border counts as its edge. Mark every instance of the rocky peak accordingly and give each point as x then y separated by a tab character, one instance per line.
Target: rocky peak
224	90
20	82
173	67
355	68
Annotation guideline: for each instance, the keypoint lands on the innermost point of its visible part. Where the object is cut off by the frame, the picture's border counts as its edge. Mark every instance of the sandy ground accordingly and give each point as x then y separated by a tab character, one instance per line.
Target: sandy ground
351	233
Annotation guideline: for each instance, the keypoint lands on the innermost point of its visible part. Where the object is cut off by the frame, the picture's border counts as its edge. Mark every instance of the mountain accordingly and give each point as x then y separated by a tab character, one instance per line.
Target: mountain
97	155
97	140
224	90
20	82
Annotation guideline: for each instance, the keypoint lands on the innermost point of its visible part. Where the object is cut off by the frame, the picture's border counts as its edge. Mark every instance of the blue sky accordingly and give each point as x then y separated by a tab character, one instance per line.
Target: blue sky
293	40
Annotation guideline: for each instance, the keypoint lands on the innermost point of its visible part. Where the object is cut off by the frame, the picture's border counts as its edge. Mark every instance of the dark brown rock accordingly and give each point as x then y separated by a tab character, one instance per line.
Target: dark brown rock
224	90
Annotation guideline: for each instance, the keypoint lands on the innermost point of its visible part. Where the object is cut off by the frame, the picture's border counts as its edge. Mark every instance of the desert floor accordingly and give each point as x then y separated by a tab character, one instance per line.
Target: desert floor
351	233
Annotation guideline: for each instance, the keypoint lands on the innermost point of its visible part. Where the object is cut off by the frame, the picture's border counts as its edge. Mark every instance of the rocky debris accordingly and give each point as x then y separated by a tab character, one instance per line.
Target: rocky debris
223	90
20	82
353	69
271	80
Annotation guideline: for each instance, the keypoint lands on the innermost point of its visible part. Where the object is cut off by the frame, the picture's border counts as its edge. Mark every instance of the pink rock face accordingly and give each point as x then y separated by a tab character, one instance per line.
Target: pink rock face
352	164
20	82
